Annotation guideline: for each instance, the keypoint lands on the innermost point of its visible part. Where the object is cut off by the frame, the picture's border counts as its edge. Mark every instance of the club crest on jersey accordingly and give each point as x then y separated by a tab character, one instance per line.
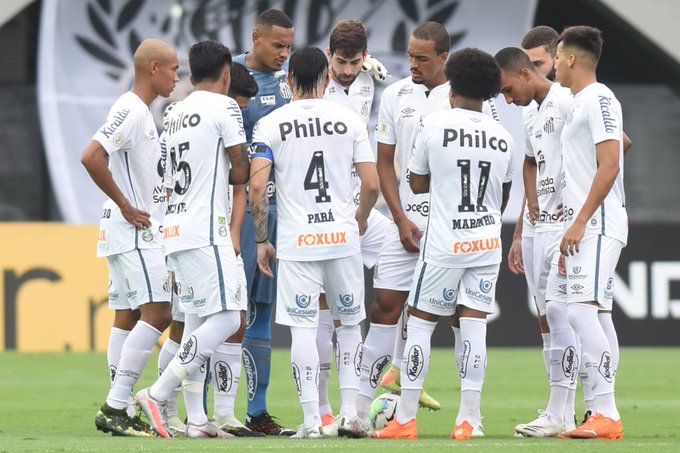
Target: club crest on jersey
284	90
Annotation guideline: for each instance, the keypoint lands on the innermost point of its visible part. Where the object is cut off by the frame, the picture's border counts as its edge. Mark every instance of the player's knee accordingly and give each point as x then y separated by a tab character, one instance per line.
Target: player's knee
386	311
176	331
159	315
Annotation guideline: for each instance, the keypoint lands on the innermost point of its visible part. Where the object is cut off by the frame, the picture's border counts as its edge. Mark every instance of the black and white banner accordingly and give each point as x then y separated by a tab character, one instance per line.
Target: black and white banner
86	47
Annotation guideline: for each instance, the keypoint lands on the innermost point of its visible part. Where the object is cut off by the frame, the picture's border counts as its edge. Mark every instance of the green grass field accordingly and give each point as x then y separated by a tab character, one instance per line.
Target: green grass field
48	403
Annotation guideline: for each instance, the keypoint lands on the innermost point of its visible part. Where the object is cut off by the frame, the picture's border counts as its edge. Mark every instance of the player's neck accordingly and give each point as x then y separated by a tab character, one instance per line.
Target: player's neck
253	63
434	83
144	91
461	102
211	87
543	86
582	80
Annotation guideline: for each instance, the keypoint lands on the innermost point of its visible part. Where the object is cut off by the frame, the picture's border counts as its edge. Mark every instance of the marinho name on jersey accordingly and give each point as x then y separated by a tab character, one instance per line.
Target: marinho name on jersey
476	139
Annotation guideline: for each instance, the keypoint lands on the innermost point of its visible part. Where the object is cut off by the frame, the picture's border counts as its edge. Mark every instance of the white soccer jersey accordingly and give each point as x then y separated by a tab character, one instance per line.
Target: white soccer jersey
595	117
312	143
543	128
130	138
199	131
401	107
468	157
359	99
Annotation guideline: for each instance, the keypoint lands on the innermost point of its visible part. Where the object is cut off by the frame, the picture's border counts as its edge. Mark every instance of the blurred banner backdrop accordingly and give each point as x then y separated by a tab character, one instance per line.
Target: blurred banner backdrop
86	47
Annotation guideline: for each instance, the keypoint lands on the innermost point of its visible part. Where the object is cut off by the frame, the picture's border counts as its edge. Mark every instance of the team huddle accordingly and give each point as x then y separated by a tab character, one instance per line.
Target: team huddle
258	197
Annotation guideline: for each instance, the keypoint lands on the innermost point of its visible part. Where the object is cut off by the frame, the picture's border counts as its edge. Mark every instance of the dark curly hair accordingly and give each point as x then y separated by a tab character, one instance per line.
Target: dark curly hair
242	82
207	60
473	74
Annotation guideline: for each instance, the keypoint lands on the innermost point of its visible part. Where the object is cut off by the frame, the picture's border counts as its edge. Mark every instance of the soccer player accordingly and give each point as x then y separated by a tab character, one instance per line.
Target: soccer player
122	159
311	144
463	159
596	223
522	85
267	62
205	140
539	44
226	361
401	106
352	87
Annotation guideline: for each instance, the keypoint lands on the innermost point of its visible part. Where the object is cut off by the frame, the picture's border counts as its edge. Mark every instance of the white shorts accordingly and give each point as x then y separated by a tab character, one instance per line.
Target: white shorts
208	280
590	273
550	285
438	290
136	278
300	283
395	266
372	240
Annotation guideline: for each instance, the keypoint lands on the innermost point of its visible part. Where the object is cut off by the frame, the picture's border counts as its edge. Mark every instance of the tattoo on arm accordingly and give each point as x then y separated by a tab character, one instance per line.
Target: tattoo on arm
260	209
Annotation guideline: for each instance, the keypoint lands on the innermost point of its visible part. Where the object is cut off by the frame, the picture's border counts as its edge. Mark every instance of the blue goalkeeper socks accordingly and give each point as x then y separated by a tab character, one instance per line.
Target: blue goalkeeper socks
257	354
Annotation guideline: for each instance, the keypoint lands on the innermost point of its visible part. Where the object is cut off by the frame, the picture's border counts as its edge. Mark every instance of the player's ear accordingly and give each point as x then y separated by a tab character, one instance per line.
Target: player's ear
328	53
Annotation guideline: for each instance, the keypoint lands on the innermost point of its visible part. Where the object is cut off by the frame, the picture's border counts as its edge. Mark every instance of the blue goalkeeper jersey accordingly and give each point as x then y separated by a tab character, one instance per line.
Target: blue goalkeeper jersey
273	93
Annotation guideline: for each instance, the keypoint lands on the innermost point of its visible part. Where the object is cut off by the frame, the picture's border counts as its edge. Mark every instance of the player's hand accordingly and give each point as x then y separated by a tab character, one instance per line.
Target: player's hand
135	216
362	222
562	266
534	212
375	68
266	253
409	235
515	261
572	239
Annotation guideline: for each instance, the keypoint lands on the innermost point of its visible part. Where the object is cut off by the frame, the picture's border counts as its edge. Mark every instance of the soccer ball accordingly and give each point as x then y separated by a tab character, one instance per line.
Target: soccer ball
383	410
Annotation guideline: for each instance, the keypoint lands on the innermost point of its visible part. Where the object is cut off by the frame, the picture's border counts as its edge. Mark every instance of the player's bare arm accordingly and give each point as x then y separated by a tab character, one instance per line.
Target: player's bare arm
96	161
627	143
368	195
238	213
390	190
259	207
529	174
607	154
419	183
515	260
240	166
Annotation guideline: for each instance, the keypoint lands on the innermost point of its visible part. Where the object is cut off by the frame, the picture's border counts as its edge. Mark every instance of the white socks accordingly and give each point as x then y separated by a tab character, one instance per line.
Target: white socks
376	358
134	355
116	341
168	351
546	353
608	326
596	356
563	358
324	344
201	337
305	366
472	369
414	367
400	338
226	371
349	366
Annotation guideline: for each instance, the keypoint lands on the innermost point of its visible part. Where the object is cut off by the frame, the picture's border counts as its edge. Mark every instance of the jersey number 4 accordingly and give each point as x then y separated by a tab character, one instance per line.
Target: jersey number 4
465	202
316	178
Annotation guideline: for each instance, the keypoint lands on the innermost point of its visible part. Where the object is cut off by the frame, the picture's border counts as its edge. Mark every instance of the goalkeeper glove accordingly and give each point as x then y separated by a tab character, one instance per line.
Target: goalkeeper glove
375	68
